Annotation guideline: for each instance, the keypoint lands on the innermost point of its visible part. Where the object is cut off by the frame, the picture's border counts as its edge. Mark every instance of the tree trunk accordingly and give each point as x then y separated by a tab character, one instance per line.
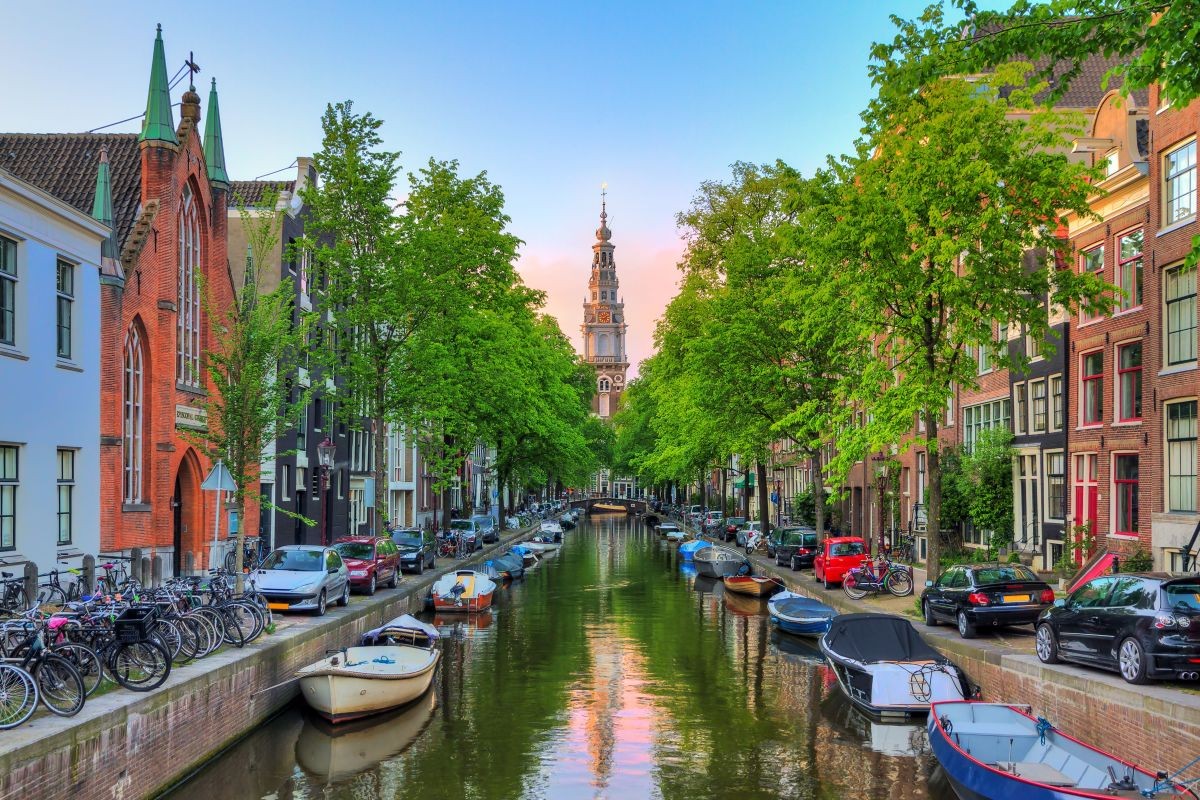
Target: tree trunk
934	515
703	490
818	488
240	580
764	500
379	437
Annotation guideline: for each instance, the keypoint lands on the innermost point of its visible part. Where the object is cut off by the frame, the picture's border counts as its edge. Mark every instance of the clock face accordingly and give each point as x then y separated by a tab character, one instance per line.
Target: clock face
605	316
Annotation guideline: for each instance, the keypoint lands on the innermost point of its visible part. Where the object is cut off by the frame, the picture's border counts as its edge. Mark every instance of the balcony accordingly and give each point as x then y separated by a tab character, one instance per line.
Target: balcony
606	360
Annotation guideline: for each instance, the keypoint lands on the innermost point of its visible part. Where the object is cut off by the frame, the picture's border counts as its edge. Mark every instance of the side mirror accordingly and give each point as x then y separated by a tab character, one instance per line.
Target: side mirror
1061	602
928	584
333	570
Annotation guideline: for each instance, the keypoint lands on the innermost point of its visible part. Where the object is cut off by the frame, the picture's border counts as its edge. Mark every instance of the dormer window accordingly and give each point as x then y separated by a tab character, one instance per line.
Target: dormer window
1113	165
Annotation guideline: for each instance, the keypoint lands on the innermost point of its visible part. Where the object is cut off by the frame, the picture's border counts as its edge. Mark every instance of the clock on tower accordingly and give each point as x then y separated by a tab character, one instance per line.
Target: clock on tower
606	316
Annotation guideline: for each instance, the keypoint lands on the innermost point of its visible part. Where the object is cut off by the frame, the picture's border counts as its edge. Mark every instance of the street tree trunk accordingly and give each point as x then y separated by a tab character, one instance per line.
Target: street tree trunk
818	487
379	442
934	515
764	500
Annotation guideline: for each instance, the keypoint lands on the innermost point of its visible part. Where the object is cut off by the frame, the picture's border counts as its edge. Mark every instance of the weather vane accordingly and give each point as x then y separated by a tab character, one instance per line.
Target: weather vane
603	195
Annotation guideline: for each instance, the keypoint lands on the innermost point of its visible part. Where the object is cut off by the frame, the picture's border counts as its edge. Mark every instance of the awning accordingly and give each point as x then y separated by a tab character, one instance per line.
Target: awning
740	483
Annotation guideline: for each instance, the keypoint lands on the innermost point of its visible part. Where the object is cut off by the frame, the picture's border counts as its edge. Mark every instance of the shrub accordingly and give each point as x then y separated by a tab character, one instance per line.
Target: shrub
1014	557
1138	561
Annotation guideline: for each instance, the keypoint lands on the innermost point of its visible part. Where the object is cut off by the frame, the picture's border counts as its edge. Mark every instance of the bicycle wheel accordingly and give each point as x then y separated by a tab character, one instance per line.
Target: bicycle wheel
234	633
249	619
140	666
851	588
50	596
18	696
60	685
216	622
85	661
168	636
898	583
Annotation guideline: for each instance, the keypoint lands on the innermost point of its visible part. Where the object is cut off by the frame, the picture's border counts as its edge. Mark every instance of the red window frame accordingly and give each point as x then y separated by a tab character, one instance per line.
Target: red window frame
1134	375
1084	314
1125	495
1091	382
1133	295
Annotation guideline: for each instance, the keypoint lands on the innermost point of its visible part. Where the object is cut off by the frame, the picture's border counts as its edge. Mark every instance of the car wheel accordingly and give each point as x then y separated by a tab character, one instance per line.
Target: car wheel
320	612
421	565
344	600
1133	662
778	562
395	577
927	612
1046	644
825	583
965	628
371	586
795	565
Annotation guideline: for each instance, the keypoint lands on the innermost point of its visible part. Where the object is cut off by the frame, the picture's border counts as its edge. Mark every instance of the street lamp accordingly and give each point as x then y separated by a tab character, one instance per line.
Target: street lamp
326	452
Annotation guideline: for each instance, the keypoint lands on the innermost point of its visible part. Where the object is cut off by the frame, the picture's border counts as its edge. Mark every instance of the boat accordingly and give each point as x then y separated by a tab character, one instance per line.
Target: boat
539	546
688	549
717	562
336	753
757	585
666	528
550	530
509	566
462	590
677	535
800	615
608	507
994	751
359	681
886	668
528	557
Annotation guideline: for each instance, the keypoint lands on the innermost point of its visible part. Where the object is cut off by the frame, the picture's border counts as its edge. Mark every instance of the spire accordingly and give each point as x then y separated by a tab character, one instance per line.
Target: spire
603	234
158	125
214	143
102	210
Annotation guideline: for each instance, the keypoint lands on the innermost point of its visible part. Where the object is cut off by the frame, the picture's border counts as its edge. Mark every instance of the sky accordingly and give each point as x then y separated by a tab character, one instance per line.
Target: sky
551	99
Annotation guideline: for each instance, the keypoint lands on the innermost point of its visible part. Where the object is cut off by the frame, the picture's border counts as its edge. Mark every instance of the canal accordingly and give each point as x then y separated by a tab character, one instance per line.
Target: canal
610	671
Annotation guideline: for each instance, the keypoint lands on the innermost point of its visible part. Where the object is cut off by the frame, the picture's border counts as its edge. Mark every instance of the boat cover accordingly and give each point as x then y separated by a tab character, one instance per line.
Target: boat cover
406	622
798	606
692	547
871	638
510	562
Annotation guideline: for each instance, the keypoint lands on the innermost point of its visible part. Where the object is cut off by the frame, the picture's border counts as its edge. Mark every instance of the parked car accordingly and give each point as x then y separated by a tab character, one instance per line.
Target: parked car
695	514
487	527
469	530
372	560
302	577
773	540
1142	625
418	548
712	521
974	596
797	547
731	528
754	526
837	556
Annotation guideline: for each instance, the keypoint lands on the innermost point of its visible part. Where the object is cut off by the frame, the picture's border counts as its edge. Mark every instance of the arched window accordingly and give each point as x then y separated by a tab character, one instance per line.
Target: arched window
187	345
133	418
602	345
605	385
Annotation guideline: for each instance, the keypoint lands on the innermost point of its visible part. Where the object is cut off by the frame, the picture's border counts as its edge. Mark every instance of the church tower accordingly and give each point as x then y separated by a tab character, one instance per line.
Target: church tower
604	322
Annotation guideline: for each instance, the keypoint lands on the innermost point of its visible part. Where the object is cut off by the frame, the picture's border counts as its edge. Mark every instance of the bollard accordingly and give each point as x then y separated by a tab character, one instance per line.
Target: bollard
156	569
146	575
88	578
135	564
189	563
31	583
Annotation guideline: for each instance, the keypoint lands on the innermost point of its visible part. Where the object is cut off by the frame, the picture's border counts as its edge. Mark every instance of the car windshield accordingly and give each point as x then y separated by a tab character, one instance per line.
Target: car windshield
1182	596
407	539
1012	572
359	550
295	560
846	549
482	521
737	520
461	525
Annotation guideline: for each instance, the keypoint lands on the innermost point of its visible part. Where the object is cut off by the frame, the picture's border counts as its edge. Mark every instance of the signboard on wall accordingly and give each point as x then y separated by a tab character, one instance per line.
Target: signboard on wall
192	417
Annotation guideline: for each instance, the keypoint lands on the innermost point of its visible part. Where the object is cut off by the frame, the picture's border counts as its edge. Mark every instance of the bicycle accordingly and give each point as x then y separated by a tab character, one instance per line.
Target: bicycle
254	552
60	686
52	592
18	695
877	577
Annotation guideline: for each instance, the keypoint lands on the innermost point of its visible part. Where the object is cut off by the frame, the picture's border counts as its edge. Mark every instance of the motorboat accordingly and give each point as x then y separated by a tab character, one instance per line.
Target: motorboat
462	590
528	558
540	545
337	753
993	751
551	529
666	528
687	550
800	615
359	681
757	585
717	562
508	566
886	668
677	535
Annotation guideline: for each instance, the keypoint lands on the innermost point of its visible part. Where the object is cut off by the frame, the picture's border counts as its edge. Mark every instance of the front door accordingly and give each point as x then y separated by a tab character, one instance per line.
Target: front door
177	529
1086	495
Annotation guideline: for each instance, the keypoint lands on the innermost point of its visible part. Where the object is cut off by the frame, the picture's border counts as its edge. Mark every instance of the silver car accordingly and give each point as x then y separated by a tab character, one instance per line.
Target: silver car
754	526
303	577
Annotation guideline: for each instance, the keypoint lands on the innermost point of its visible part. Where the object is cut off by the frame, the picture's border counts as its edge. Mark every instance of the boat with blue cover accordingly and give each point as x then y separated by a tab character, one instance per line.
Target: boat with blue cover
688	549
800	615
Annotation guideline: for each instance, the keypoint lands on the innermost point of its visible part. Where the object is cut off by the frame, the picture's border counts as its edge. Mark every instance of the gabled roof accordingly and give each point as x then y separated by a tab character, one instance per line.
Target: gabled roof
250	193
65	166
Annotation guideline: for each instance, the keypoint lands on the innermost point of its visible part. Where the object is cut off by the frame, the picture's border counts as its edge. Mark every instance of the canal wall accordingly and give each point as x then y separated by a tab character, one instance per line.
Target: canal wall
124	745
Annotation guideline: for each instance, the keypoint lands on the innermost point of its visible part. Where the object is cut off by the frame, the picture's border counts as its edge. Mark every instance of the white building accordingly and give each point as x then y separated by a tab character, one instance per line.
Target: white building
50	257
404	466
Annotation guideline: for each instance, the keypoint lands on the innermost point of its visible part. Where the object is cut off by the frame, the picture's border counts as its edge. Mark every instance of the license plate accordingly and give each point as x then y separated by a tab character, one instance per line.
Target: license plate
1016	598
278	606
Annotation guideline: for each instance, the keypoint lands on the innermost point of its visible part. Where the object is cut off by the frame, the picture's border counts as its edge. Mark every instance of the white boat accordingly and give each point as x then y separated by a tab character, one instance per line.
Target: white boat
551	529
539	546
359	681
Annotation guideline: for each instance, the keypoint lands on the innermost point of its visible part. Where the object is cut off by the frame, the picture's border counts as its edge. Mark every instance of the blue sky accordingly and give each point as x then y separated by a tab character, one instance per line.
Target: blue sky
552	99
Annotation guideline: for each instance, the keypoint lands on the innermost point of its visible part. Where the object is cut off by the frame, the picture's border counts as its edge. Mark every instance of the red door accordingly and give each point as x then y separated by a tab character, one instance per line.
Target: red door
1086	495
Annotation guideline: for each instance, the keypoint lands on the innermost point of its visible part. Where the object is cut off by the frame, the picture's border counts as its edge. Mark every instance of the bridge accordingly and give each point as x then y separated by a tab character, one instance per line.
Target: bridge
589	504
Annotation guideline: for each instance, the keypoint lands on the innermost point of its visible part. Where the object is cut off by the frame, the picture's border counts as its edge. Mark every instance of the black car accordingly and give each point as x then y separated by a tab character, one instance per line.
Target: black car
729	532
797	547
974	596
418	548
487	525
1142	625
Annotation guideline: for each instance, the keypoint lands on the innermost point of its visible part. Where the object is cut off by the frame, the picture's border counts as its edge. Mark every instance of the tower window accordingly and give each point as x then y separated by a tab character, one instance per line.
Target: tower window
604	295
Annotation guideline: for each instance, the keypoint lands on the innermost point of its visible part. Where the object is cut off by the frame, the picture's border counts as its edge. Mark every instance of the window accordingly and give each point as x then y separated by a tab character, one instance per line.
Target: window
1092	261
285	481
983	359
1056	485
1129	382
1028	519
1179	294
921	477
1020	408
133	419
1056	403
1112	163
978	418
604	295
1179	183
66	483
187	345
9	455
8	291
1129	269
950	407
1033	346
302	429
1125	491
66	298
605	385
1181	456
1092	394
1037	399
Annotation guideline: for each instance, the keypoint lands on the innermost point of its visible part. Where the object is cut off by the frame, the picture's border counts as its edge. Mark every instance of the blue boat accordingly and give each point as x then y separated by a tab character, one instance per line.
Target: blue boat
687	550
800	615
992	751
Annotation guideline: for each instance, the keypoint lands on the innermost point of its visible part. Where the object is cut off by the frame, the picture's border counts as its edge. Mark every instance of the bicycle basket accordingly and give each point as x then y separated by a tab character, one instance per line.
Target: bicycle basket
134	623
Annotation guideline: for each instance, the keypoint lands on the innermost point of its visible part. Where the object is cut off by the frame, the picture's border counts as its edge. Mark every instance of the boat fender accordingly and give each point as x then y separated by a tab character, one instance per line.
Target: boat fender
1043	727
947	725
744	569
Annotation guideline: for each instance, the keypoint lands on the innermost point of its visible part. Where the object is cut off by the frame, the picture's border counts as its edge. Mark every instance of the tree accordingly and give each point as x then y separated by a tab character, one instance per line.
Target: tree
937	212
255	342
989	471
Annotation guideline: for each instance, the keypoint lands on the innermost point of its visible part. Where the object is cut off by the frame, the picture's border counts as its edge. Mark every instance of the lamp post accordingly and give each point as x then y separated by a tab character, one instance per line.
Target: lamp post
326	451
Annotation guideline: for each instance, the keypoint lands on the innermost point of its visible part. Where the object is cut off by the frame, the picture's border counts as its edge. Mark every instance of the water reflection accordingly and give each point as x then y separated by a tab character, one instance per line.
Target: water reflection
608	672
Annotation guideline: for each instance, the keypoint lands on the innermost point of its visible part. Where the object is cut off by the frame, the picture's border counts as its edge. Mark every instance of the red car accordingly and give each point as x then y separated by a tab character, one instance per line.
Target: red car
838	555
371	560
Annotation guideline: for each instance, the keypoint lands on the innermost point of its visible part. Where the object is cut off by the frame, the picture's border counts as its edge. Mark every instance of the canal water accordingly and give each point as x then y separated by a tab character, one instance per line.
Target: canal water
610	671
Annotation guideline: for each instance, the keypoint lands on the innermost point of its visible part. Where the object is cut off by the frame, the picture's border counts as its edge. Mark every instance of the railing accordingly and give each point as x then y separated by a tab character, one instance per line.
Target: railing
607	360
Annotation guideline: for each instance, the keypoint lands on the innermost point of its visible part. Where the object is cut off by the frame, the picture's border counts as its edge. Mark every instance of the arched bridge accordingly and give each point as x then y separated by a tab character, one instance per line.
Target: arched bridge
590	504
